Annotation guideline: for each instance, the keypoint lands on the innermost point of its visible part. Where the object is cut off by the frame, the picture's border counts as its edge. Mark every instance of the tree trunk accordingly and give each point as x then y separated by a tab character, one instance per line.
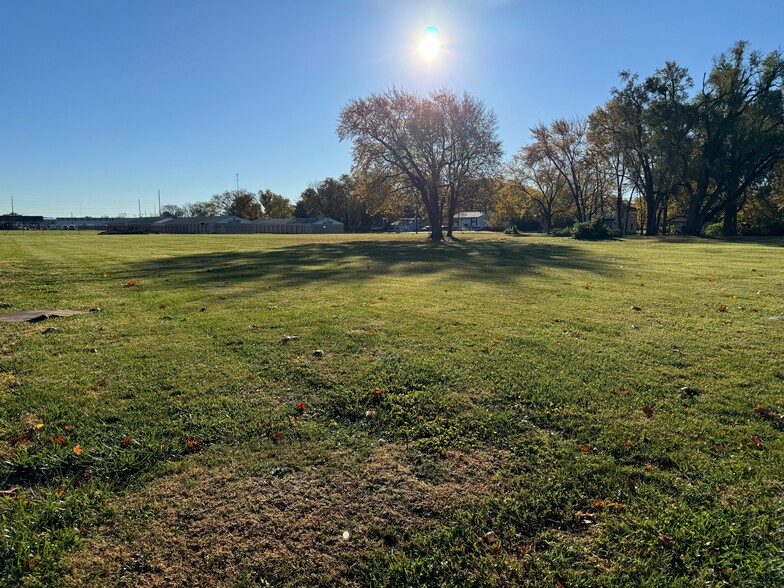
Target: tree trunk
651	226
730	224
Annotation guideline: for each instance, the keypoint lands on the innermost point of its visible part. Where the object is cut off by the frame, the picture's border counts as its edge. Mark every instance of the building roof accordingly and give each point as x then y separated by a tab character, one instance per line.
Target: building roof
298	221
469	214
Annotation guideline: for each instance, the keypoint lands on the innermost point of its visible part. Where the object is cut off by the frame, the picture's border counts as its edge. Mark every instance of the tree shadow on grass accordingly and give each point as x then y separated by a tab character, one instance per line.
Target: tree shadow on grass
360	261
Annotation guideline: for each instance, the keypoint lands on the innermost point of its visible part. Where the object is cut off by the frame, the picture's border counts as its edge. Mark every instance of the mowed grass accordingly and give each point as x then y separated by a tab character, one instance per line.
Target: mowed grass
489	412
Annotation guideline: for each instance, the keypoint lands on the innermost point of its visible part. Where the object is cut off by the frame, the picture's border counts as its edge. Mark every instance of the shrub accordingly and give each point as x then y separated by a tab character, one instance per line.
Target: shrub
566	232
595	230
512	230
714	230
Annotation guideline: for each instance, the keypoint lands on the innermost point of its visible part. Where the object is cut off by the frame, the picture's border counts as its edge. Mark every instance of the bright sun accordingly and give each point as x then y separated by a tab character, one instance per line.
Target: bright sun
429	45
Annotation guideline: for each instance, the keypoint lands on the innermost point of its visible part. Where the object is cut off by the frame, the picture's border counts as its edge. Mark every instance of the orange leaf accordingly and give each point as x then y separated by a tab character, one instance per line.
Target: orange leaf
300	406
373	331
102	383
68	428
275	437
192	443
496	340
130	284
126	441
87	475
757	441
377	392
586	448
587	286
78	449
649	467
59	439
559	584
648	411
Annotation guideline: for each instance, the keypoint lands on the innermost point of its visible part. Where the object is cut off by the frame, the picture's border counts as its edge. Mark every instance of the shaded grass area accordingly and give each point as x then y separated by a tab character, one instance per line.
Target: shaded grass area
536	356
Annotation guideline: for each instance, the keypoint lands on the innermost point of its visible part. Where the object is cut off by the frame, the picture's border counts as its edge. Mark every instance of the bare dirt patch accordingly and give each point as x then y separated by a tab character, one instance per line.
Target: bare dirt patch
203	527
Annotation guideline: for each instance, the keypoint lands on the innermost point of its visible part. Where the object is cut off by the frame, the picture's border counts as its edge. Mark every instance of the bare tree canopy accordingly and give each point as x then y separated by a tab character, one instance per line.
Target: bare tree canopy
436	146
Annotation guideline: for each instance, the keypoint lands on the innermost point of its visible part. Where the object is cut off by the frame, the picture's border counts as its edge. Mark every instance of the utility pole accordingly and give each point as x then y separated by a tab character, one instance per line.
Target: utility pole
12	205
140	207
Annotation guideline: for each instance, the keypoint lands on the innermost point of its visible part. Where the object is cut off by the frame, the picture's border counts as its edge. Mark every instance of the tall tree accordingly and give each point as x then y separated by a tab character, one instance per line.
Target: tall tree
433	146
274	205
740	134
542	185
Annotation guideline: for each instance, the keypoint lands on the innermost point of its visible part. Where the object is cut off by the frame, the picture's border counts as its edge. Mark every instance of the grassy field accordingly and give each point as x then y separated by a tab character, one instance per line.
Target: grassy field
341	411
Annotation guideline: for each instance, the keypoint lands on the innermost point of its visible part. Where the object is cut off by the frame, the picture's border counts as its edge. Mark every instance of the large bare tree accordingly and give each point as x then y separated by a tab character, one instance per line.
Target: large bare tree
436	146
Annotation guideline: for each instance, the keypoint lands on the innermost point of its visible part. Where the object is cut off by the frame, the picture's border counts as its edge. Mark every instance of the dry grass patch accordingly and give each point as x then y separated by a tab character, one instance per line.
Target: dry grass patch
208	527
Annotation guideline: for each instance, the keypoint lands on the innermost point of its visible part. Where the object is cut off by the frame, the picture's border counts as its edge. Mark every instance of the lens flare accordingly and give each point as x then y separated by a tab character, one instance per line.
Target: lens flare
429	46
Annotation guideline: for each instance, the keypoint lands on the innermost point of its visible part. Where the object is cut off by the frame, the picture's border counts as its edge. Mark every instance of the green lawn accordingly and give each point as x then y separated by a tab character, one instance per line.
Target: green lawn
490	412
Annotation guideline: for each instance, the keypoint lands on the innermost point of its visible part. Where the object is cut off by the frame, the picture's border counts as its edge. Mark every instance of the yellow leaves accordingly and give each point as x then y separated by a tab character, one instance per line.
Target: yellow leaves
600	503
78	449
39	426
61	490
629	443
496	341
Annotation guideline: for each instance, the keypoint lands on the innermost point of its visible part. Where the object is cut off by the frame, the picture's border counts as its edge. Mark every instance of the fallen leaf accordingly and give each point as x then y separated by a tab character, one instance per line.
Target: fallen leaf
666	541
722	308
130	284
87	475
162	306
496	340
293	421
486	350
768	414
373	331
68	428
192	444
277	436
61	490
58	440
370	413
586	448
78	449
587	286
126	441
300	406
39	425
631	484
628	443
101	383
649	467
17	438
648	411
719	448
757	441
377	392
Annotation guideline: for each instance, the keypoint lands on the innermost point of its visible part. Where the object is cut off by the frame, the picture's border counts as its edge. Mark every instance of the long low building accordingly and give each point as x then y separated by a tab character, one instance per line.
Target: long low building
217	225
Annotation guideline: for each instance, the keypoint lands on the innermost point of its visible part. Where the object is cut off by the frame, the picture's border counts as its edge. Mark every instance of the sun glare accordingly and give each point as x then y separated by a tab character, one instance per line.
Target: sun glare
429	45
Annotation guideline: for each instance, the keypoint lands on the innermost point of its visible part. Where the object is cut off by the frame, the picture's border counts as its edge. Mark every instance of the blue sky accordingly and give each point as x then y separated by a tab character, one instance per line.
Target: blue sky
105	102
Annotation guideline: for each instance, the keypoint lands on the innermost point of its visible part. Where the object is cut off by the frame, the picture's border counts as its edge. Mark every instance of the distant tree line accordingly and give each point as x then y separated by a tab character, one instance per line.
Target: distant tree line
713	155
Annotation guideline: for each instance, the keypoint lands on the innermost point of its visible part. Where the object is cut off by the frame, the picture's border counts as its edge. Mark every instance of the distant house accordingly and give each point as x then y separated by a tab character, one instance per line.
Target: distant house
220	225
628	224
676	224
407	225
473	221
